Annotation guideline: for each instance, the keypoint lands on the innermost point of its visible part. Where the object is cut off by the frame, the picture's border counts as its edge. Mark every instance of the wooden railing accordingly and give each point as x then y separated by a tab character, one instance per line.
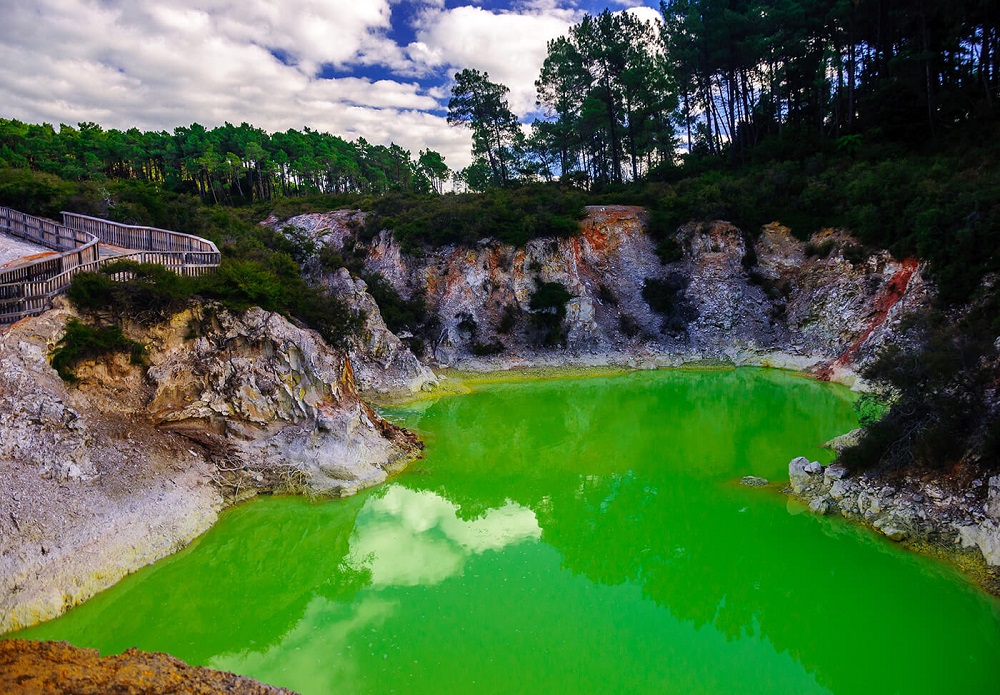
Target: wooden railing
128	236
29	288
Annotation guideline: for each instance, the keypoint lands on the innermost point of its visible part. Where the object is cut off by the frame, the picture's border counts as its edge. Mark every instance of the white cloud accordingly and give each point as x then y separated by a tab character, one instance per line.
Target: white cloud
157	65
646	14
510	46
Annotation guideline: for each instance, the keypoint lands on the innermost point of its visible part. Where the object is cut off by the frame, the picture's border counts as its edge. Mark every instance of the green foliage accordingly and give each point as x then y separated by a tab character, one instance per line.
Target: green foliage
660	295
606	89
666	299
508	319
494	347
149	293
228	164
870	408
548	310
511	216
628	326
820	250
144	292
481	105
399	314
669	250
82	342
940	413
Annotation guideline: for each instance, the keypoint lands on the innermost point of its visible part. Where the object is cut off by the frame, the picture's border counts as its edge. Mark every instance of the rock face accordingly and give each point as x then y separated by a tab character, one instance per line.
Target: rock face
382	363
273	400
726	298
910	510
54	668
132	463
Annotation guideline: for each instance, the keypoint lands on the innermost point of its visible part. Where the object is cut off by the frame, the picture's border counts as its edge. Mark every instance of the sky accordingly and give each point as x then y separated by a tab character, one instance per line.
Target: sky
377	69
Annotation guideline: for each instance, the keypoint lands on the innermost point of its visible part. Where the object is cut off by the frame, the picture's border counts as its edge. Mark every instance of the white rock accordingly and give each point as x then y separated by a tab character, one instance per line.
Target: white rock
992	508
833	473
819	505
798	476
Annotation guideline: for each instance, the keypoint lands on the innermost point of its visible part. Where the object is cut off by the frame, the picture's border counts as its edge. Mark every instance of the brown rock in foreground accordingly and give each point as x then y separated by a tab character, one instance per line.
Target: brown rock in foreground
58	667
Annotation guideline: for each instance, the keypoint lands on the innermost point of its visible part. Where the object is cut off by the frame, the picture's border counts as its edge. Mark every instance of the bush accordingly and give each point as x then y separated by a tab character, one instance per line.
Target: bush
548	307
940	414
399	314
660	295
669	250
508	215
82	341
144	292
494	347
148	293
665	297
508	319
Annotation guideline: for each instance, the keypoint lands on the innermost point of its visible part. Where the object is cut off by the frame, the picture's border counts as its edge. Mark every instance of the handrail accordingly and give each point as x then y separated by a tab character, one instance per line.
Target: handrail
28	289
136	236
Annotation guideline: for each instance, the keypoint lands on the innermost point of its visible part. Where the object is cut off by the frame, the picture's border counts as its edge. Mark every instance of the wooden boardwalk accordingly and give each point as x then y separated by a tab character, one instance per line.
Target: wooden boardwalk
83	243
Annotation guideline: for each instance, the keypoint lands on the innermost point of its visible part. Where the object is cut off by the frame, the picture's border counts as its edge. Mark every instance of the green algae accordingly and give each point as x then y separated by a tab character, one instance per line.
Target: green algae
569	535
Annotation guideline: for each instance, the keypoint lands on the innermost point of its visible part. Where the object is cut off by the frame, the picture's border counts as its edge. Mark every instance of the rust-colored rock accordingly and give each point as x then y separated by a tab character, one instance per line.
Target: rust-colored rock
57	668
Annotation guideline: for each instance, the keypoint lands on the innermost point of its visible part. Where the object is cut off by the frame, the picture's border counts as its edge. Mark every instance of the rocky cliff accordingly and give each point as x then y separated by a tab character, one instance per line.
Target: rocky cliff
774	299
931	513
133	462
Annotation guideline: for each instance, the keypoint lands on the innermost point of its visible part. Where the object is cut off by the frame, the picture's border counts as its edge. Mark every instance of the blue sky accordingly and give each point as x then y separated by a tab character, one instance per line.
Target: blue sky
378	69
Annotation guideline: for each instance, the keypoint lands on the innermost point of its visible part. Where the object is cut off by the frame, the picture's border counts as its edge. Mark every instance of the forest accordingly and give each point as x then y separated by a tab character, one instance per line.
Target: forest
224	165
879	116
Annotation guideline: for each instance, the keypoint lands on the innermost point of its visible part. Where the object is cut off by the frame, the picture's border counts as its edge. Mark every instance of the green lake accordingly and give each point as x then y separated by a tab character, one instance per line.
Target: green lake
569	536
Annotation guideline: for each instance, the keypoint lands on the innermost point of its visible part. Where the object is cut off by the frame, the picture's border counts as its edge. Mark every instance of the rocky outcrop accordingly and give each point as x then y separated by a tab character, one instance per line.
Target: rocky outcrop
826	305
269	399
54	668
911	509
132	463
383	364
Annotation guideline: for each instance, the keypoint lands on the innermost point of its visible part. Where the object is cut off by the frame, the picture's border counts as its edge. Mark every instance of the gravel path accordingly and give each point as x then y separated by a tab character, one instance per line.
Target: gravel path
12	249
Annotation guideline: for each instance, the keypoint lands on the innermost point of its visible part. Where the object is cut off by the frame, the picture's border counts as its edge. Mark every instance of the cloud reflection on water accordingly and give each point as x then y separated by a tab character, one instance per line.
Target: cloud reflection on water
402	538
409	538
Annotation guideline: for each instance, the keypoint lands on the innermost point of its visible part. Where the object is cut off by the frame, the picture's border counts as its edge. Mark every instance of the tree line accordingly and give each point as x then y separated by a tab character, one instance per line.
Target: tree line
620	97
227	164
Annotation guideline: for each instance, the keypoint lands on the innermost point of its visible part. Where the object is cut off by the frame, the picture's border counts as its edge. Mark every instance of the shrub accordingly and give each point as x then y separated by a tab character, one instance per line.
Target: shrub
494	347
144	292
660	295
940	414
508	319
82	341
669	250
548	307
509	215
399	314
820	250
628	325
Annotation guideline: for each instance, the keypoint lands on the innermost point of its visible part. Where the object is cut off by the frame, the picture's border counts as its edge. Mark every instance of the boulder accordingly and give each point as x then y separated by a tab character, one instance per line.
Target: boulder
799	475
992	507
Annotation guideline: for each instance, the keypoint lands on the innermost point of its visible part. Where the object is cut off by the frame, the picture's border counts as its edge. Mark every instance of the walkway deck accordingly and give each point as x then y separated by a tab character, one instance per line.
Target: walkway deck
14	251
82	243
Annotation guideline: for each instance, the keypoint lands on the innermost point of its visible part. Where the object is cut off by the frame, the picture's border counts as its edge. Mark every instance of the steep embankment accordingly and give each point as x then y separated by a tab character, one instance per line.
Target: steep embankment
724	297
825	306
133	462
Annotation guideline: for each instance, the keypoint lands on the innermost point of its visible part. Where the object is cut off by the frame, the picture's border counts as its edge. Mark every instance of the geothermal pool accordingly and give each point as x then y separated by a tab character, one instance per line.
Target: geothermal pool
569	535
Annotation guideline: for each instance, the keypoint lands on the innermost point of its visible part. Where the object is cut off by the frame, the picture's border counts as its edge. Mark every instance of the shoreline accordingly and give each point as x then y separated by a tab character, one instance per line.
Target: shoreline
462	376
461	379
453	377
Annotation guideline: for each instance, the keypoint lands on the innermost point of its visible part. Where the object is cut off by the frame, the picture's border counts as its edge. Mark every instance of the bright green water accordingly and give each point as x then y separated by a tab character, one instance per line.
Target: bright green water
569	536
